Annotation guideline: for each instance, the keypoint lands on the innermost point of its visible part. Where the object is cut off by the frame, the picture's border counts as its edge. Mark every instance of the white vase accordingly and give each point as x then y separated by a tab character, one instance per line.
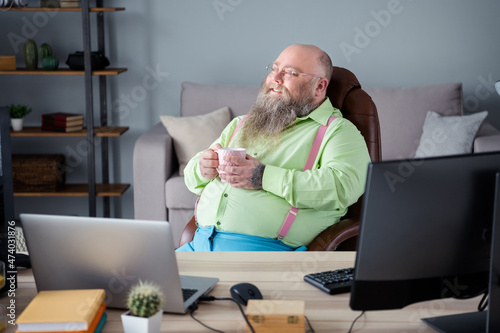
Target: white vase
134	324
17	124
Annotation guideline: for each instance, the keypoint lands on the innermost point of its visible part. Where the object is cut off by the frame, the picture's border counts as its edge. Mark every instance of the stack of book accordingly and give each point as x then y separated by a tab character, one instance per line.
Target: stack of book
62	311
62	122
69	3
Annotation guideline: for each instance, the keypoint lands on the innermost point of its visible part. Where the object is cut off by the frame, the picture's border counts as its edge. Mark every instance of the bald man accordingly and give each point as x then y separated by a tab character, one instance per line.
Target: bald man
247	211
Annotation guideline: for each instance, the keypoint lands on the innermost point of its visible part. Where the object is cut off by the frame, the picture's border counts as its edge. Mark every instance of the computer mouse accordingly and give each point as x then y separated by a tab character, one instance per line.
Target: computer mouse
242	292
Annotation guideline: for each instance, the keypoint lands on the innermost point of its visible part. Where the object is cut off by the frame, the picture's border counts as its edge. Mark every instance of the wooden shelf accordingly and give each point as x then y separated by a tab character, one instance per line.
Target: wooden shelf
46	9
108	131
79	190
61	71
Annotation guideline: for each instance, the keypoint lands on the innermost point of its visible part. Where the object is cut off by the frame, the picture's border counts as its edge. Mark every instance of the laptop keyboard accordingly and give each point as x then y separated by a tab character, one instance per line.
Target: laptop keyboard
332	282
186	293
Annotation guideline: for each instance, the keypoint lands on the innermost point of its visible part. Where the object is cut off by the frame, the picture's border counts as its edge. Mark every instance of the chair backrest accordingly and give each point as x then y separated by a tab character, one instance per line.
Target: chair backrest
346	94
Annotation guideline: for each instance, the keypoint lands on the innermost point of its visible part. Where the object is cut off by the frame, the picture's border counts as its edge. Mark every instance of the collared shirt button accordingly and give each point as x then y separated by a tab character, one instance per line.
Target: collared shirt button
225	195
218	222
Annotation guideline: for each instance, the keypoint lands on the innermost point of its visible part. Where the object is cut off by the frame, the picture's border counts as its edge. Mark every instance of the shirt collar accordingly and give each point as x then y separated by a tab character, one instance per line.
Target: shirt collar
322	113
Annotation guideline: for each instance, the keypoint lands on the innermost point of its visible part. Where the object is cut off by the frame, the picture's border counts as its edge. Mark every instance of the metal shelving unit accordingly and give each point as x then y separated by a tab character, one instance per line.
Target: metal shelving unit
91	189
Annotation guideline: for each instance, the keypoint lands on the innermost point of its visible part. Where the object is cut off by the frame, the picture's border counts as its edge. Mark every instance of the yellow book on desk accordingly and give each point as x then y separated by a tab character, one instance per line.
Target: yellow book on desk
61	310
93	328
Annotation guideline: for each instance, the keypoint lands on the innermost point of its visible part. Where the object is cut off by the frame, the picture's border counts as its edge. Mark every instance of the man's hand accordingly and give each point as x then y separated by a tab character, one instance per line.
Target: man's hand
246	173
209	162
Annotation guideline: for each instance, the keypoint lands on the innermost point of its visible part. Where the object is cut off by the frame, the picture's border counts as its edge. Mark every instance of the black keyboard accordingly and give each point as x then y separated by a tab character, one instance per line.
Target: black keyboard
332	282
186	293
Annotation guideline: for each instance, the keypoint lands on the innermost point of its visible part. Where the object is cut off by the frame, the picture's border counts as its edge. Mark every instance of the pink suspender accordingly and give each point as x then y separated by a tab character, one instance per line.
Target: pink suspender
237	128
290	217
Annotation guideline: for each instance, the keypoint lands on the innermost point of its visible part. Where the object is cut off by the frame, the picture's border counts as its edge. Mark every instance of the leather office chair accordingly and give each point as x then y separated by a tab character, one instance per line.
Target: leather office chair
345	93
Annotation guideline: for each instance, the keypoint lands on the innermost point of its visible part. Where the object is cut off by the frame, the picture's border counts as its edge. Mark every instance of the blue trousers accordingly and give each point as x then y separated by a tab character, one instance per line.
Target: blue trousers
209	239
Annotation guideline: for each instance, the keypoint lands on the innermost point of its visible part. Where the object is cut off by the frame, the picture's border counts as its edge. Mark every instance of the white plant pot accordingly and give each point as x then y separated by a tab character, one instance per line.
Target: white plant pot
17	124
133	324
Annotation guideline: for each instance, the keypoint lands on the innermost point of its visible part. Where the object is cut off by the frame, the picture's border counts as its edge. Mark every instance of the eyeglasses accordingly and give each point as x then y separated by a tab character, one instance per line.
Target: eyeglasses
286	74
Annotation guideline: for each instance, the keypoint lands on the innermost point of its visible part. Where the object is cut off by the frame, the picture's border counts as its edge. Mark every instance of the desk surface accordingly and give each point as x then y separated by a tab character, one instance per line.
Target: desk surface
279	275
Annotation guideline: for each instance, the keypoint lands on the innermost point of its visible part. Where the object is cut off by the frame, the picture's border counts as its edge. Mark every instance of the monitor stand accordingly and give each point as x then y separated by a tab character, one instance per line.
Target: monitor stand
473	322
487	321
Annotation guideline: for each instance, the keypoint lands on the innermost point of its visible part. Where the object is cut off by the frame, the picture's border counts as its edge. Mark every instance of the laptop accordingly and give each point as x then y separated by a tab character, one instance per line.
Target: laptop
70	252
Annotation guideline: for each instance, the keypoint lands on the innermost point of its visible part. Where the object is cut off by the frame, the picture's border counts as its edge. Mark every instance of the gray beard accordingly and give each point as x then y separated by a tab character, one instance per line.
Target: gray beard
271	115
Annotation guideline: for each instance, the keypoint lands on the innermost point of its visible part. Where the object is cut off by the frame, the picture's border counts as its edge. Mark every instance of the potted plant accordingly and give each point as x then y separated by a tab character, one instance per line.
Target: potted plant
17	114
145	309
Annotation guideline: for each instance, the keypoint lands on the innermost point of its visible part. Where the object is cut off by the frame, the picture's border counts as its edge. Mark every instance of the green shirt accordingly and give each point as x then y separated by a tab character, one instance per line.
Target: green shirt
336	181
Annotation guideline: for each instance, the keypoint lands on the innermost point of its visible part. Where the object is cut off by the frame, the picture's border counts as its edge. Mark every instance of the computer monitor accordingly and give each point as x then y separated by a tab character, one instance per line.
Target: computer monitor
426	233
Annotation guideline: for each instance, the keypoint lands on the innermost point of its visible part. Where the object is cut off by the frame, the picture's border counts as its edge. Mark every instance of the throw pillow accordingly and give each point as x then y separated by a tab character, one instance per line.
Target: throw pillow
194	134
449	135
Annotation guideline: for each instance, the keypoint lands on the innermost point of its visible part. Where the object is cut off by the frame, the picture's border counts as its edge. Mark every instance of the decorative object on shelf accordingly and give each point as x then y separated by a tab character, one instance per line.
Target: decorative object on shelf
49	62
497	87
59	3
97	60
45	50
145	309
8	63
13	3
30	55
38	172
17	114
49	4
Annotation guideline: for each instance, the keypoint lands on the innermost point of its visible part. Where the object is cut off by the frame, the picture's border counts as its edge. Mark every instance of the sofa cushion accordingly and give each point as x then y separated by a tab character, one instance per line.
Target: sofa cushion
194	134
402	112
198	99
449	135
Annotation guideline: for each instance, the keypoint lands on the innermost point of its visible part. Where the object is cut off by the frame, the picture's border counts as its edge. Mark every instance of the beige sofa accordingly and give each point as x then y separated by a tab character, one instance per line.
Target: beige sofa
159	190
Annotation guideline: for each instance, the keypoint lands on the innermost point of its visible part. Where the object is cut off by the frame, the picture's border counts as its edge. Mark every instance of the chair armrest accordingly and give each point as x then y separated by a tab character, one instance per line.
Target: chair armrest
488	139
487	143
188	232
153	163
344	231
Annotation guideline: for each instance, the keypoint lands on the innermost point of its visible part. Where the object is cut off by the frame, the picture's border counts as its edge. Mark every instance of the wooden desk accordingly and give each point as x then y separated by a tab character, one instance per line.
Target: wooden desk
279	276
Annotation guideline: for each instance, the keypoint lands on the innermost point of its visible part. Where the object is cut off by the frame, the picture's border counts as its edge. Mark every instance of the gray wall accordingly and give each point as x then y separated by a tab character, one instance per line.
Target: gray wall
165	42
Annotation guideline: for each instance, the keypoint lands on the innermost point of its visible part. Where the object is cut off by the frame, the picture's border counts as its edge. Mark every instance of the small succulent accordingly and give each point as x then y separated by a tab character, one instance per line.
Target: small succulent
145	299
18	111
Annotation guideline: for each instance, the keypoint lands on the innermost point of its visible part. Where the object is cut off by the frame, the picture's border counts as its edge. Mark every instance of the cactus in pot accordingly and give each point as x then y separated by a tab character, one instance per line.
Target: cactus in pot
145	301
